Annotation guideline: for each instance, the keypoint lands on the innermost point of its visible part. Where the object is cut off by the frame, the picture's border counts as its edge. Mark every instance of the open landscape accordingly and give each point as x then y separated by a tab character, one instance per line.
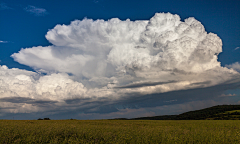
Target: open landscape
120	131
114	71
136	130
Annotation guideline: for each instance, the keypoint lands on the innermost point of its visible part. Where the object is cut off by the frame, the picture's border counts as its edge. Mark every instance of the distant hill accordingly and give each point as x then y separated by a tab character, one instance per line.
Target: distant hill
220	112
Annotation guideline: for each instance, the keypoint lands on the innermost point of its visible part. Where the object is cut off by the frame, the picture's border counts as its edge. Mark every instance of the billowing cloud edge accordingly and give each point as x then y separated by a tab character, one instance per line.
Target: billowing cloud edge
234	66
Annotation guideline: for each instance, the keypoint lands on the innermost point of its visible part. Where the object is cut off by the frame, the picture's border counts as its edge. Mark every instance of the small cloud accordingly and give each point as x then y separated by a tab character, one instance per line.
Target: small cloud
236	48
4	6
36	11
170	101
227	95
4	41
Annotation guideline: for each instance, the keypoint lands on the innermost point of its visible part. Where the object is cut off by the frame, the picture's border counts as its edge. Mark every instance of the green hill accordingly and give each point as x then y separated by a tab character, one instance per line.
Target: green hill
220	112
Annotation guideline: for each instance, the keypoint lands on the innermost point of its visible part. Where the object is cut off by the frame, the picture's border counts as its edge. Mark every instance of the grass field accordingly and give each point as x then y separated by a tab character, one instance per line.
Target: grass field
120	131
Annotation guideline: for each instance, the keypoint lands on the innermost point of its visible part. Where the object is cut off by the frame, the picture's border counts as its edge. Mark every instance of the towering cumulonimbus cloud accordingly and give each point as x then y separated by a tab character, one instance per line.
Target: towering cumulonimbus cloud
115	59
90	48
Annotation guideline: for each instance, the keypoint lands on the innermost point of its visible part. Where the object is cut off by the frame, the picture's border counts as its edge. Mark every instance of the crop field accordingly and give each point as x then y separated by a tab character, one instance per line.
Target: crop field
232	111
120	131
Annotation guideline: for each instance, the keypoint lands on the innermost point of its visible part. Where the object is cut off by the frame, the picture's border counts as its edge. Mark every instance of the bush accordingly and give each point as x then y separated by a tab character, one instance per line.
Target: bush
46	119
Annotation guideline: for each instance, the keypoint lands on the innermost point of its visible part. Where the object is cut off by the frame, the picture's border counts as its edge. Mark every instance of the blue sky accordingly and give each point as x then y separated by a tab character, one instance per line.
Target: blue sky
24	29
25	23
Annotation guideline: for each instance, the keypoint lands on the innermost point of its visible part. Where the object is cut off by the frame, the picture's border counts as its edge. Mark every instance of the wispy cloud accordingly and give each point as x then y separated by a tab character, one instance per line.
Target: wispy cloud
96	1
3	6
36	11
4	41
237	48
227	95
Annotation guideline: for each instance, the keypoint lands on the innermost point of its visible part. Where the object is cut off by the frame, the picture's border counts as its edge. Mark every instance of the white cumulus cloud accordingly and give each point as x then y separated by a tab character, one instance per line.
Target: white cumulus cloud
118	59
161	49
21	83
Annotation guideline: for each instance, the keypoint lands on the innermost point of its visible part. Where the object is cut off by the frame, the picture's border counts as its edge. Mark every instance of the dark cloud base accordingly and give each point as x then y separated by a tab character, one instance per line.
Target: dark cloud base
76	107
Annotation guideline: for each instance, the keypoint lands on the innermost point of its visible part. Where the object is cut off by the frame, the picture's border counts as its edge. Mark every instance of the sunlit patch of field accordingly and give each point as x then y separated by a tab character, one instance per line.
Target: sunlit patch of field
232	111
120	131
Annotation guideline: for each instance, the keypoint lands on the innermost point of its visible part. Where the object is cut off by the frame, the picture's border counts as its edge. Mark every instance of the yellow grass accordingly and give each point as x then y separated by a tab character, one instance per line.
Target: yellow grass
120	131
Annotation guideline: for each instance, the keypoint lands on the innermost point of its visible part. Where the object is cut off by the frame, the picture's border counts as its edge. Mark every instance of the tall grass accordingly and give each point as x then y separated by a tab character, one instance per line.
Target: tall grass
119	131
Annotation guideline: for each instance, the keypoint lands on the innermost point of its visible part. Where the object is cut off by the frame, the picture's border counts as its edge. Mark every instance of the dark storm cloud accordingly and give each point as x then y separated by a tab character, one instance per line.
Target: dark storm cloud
201	84
26	100
181	96
88	106
138	85
136	100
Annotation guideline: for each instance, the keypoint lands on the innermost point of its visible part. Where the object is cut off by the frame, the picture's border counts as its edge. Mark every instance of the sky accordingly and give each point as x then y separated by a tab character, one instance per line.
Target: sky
102	59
